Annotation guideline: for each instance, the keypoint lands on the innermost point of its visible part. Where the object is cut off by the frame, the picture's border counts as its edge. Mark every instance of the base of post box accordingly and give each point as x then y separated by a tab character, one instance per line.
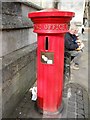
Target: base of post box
59	111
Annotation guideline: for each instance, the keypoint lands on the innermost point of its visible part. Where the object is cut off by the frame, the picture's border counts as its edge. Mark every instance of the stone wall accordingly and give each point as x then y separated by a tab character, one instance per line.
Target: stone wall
18	54
17	28
18	75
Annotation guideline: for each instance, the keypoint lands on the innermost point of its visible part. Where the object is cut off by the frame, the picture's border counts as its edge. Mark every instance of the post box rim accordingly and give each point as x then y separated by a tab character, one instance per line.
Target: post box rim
51	13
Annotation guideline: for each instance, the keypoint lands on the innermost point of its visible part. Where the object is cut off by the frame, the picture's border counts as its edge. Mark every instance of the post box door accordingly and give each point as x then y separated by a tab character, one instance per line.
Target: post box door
50	70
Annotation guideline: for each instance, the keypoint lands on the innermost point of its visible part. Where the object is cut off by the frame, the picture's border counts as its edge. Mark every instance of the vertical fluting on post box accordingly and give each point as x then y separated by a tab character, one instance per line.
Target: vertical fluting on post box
50	25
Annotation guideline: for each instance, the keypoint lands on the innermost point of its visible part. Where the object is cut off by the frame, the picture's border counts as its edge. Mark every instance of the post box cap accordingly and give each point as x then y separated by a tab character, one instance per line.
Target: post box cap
52	12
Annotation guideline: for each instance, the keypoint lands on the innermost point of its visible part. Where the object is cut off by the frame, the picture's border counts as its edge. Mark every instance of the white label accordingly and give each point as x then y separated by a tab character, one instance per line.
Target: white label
49	62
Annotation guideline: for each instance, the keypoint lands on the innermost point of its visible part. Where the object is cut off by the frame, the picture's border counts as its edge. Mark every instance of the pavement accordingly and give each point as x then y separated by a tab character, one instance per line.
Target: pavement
78	82
81	76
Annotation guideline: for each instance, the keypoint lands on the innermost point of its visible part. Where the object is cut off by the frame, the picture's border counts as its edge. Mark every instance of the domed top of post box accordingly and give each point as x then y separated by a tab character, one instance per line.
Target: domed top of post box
51	13
51	20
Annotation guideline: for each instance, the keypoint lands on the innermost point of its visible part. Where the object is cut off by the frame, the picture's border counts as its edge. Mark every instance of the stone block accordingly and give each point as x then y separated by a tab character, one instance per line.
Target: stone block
15	39
70	115
11	8
71	109
18	76
15	14
81	116
0	45
80	111
15	22
13	63
71	103
80	106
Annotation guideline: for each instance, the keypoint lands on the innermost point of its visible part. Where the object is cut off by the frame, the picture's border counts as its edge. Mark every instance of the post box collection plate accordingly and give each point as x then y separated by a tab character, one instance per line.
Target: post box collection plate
47	57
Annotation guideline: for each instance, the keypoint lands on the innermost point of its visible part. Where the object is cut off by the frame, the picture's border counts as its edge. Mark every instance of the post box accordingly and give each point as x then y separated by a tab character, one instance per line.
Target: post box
50	26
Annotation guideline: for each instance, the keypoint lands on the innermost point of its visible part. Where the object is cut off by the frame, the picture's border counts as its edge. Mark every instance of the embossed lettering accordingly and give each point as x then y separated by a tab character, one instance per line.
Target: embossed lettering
50	27
45	27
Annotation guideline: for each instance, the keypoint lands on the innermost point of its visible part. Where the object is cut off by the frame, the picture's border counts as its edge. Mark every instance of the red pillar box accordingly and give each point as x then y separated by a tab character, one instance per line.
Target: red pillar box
50	25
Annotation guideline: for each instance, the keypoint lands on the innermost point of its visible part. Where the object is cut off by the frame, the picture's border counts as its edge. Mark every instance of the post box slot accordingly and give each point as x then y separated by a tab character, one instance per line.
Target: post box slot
46	43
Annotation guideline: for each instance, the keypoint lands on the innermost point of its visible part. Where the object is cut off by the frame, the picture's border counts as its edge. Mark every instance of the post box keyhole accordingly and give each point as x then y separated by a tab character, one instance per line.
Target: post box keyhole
46	43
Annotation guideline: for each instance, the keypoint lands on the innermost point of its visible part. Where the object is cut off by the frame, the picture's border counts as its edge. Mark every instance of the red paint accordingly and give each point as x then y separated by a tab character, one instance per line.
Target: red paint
50	23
